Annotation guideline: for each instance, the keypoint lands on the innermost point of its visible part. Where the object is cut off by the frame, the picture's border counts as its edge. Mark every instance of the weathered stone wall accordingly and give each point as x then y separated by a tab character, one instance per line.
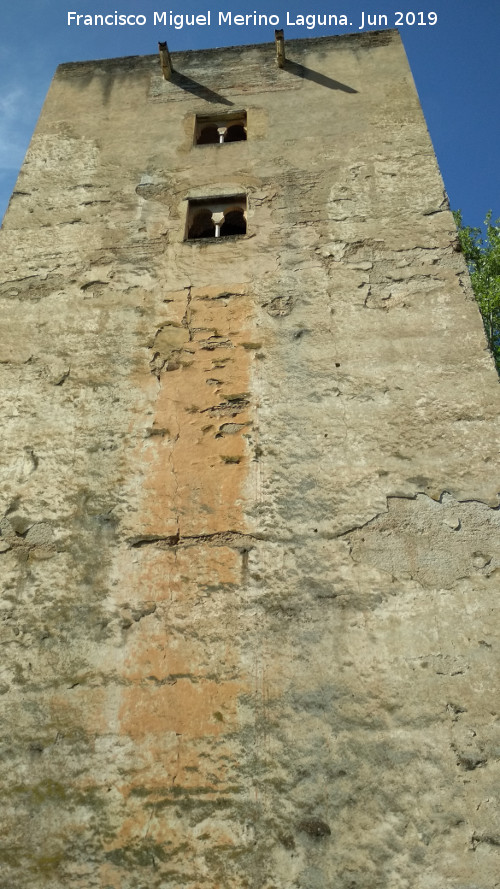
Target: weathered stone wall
249	538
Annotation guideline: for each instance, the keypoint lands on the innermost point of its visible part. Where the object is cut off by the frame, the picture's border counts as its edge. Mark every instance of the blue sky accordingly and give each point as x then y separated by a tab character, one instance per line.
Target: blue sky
454	64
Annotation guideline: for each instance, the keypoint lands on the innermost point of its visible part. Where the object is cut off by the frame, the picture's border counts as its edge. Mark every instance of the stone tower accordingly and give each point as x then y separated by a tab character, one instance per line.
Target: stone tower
249	538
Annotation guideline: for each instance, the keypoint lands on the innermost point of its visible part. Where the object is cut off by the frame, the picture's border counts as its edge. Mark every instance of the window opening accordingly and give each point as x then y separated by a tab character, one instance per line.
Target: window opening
236	133
222	128
209	135
202	225
217	218
234	223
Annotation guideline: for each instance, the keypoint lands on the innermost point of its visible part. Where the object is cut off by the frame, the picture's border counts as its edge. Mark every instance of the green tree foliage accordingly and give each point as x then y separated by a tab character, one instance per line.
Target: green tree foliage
482	255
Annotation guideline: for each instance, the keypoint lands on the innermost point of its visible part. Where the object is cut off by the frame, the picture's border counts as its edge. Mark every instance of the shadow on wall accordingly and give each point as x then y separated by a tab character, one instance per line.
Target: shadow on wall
295	68
192	86
316	77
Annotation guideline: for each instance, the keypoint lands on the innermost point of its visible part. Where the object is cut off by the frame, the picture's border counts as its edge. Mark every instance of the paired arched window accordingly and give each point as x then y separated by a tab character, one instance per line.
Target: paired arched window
218	129
217	218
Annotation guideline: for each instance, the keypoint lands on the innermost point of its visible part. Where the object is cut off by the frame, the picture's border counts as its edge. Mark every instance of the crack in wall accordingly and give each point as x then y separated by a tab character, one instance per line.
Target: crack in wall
235	539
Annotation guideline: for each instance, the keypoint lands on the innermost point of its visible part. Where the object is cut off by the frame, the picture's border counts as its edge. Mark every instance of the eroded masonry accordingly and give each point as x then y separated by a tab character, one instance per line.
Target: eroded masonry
249	513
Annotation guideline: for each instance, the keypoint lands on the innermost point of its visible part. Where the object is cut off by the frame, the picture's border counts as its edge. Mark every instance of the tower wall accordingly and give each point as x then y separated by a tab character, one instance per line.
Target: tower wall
249	538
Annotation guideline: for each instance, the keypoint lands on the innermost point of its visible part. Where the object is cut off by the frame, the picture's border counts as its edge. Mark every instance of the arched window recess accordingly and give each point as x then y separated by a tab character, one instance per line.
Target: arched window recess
217	218
217	129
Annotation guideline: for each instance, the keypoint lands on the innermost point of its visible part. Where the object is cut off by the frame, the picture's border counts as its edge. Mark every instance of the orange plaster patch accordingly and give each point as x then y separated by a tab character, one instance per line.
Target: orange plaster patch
183	708
181	663
195	475
175	574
